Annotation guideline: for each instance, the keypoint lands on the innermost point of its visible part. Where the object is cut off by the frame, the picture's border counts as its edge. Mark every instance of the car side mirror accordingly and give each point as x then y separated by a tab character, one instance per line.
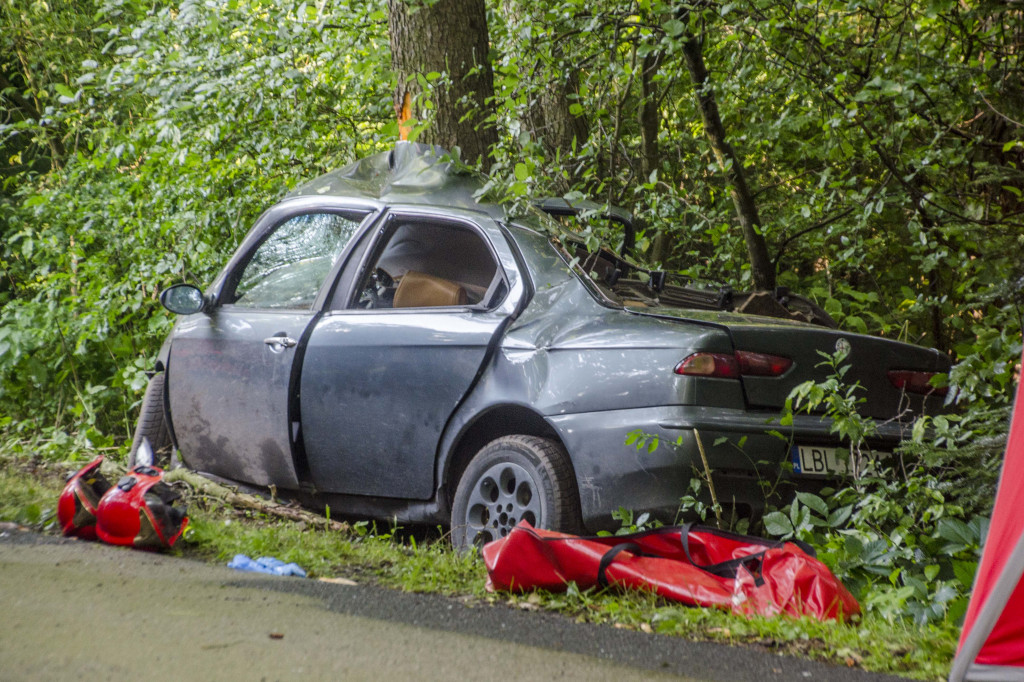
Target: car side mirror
183	299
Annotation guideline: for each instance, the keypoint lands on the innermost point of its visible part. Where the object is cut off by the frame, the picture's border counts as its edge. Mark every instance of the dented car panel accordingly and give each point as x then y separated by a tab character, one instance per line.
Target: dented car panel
383	344
378	386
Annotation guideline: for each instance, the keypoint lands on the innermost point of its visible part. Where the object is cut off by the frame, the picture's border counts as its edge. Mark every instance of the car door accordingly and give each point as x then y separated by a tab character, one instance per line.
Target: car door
385	369
230	369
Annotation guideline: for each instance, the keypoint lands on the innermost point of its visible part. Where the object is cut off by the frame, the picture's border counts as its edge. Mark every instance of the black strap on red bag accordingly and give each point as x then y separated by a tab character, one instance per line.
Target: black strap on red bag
751	562
609	557
723	569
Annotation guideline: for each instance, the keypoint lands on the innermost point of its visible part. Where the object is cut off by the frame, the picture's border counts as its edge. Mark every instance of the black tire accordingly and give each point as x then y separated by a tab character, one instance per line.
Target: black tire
511	479
151	425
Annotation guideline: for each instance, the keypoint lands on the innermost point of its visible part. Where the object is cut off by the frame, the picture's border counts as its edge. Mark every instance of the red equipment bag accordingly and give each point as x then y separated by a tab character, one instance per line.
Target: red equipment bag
139	511
692	564
76	507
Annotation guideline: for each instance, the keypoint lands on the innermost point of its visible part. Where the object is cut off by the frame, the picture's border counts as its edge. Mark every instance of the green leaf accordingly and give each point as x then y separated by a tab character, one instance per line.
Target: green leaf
853	546
956	531
839	516
777	524
856	324
63	90
674	27
814	502
965	571
521	171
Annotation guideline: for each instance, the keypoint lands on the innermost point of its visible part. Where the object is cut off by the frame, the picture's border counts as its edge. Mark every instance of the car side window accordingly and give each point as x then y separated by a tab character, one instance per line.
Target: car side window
426	264
290	266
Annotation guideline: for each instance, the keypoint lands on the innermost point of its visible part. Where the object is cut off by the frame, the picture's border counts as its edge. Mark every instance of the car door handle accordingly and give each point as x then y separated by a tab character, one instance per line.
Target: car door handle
280	342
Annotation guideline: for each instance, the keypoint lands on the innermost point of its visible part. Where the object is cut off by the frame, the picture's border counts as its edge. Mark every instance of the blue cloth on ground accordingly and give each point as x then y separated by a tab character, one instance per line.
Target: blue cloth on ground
265	564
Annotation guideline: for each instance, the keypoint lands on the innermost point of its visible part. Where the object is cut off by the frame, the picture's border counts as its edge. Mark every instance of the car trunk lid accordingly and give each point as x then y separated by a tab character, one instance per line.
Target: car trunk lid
869	358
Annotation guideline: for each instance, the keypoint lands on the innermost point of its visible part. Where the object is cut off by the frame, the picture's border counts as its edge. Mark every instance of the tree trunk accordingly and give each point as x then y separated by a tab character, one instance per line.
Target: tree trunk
550	87
746	210
649	118
557	128
448	37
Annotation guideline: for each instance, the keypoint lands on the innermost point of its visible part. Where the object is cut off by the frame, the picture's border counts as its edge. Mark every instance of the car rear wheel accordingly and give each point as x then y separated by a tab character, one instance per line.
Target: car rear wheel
152	426
512	479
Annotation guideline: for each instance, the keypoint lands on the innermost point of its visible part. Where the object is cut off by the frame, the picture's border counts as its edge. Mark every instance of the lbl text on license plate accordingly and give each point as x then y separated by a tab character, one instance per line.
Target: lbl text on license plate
815	459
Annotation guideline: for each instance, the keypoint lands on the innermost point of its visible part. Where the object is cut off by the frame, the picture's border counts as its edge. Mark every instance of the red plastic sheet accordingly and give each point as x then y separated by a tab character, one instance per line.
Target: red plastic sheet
744	574
1004	644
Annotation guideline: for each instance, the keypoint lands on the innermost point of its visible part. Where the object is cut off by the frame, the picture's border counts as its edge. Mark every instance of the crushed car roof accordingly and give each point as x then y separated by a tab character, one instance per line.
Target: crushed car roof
411	173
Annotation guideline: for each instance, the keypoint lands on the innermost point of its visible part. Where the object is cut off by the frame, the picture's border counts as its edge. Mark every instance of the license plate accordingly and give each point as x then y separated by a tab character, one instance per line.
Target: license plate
814	459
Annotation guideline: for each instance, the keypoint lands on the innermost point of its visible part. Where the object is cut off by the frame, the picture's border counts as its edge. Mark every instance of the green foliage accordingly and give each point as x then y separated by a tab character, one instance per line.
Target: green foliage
887	171
840	403
643	441
632	523
176	126
905	536
694	504
898	545
26	500
899	648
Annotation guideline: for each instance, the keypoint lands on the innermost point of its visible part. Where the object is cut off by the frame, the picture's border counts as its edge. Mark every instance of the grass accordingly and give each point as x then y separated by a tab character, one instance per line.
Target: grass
424	562
29	492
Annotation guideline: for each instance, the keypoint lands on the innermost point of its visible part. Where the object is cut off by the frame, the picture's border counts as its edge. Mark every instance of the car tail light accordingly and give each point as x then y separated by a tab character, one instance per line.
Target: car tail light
762	364
913	381
710	365
741	363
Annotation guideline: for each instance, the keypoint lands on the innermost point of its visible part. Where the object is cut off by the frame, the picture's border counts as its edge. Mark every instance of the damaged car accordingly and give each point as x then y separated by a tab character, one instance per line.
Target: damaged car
384	344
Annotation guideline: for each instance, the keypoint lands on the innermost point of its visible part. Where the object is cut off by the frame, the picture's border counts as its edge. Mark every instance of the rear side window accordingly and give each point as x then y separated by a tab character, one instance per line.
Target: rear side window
290	266
423	264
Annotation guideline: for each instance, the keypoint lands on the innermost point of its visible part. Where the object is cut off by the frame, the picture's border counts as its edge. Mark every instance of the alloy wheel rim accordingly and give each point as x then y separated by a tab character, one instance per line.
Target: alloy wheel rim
505	494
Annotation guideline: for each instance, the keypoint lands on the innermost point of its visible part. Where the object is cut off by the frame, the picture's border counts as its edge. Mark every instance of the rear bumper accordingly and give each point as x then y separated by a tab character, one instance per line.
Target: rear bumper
748	454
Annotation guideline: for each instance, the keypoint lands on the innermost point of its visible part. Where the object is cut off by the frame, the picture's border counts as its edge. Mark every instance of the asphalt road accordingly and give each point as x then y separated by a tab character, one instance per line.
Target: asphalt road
72	610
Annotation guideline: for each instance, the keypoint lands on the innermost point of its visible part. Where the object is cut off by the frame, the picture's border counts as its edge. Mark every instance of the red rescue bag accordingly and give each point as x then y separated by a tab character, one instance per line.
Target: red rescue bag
691	564
76	507
139	511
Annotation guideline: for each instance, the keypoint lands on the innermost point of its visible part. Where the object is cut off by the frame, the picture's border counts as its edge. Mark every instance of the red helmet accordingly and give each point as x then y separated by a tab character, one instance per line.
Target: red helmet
138	511
76	508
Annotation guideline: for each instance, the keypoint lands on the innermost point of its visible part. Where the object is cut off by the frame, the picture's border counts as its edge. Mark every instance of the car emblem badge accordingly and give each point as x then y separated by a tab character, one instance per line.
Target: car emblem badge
843	347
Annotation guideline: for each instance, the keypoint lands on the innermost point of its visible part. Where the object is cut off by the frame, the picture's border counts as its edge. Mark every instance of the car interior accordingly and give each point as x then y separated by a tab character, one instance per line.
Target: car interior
426	264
